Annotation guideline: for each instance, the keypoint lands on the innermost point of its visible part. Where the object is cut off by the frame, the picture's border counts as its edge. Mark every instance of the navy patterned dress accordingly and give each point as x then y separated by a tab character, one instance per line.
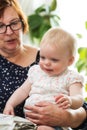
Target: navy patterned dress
11	77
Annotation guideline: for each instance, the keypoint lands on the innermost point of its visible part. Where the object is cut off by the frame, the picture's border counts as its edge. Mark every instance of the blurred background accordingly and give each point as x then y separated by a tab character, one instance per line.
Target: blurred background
71	12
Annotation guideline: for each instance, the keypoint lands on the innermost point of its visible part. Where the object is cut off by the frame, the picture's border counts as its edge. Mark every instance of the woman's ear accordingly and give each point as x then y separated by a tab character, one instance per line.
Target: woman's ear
71	60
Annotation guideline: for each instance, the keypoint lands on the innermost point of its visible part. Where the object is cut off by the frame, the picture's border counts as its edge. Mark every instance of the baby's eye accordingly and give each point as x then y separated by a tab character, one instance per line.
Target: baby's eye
55	60
42	57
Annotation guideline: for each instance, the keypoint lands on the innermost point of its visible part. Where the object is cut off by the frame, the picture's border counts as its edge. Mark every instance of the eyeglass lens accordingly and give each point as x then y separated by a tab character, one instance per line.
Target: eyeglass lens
15	25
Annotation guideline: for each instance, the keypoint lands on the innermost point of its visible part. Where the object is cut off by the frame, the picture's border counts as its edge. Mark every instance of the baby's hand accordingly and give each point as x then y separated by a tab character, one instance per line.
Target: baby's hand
8	110
63	101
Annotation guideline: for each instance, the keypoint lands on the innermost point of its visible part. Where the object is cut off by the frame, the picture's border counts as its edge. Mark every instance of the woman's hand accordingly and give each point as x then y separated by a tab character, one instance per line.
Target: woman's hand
45	113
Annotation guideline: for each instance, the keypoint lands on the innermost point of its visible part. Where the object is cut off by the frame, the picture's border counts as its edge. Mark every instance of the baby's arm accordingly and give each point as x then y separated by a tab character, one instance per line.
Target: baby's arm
74	101
17	97
76	94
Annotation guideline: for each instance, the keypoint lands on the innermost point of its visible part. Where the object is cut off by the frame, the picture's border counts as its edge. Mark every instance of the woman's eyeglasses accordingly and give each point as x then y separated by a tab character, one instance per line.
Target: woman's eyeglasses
15	25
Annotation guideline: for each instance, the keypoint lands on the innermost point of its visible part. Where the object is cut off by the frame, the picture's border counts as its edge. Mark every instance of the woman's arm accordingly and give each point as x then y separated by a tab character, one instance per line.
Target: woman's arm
49	114
76	117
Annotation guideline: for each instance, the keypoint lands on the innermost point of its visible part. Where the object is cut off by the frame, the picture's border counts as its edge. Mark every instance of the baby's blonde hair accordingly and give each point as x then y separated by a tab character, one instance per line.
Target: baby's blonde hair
60	38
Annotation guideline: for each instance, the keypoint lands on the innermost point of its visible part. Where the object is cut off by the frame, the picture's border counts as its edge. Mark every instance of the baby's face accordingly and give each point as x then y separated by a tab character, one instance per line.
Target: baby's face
53	60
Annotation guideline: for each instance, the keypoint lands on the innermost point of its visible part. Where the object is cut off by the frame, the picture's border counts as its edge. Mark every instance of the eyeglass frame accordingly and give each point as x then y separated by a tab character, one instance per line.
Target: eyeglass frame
9	25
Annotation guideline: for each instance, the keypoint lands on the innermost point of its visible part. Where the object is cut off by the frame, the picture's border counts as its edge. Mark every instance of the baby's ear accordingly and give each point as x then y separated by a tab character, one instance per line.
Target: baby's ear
71	60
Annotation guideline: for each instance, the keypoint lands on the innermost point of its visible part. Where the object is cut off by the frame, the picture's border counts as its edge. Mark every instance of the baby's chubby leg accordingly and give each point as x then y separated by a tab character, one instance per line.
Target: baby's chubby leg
43	127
